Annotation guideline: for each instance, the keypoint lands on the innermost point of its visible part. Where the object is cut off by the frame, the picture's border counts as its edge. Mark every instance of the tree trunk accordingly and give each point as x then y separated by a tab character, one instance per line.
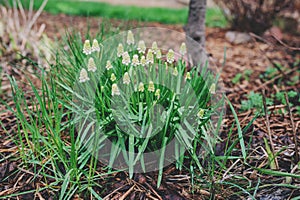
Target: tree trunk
195	32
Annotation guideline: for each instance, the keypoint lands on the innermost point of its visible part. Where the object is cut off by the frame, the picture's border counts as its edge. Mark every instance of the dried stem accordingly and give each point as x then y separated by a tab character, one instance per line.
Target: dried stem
19	26
269	129
293	127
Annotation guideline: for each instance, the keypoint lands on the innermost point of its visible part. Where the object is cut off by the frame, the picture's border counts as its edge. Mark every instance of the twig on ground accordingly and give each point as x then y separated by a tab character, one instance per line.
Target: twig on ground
17	182
127	193
275	107
28	172
265	55
285	45
226	172
280	41
273	79
254	36
269	129
151	188
293	127
206	193
8	191
107	196
10	150
141	188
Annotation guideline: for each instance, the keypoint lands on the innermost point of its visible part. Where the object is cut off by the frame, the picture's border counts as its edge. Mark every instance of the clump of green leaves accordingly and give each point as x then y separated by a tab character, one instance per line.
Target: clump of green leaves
239	76
280	96
140	100
89	109
270	73
255	101
48	144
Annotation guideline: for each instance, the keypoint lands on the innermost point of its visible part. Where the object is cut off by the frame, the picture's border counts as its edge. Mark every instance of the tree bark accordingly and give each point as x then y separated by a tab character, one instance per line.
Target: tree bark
195	30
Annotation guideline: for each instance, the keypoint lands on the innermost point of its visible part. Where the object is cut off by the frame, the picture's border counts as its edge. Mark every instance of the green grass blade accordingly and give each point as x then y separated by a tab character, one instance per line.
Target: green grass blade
131	155
161	161
65	185
240	132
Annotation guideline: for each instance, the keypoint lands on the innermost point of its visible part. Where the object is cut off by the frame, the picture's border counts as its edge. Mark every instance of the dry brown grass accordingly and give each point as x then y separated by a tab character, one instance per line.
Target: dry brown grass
20	35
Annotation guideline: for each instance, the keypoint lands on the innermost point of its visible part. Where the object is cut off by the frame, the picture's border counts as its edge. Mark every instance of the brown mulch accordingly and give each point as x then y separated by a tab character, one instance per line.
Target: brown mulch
256	55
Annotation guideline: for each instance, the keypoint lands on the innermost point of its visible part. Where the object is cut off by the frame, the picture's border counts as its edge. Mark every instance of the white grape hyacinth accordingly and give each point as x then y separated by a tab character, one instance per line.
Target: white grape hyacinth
120	50
158	54
151	87
201	113
182	49
141	87
170	56
188	76
149	57
113	77
115	90
175	71
95	46
130	38
126	78
126	58
154	47
143	61
108	65
212	88
141	47
91	65
135	60
87	49
157	93
83	77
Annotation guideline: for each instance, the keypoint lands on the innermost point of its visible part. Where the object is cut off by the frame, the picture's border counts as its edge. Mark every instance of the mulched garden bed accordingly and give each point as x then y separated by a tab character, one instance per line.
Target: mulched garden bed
257	56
